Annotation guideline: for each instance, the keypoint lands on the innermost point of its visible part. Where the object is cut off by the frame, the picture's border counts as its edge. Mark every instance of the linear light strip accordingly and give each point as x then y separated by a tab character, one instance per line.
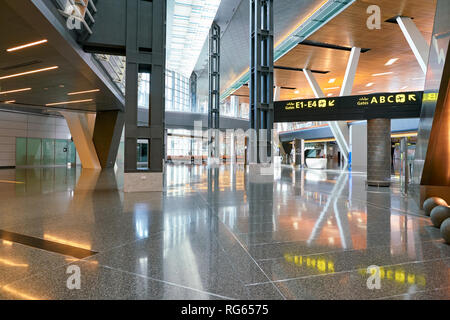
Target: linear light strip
67	102
28	72
381	74
14	91
82	92
32	44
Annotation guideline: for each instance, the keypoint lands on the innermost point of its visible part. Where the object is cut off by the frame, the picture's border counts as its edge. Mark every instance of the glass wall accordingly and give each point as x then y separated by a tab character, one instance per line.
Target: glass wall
36	152
142	154
234	108
178	99
143	98
184	146
177	92
291	126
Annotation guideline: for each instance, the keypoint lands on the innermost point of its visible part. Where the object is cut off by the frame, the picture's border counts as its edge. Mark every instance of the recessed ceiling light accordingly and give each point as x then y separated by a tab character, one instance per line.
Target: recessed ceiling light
10	101
369	84
67	102
296	92
28	72
392	61
87	91
332	80
330	94
403	88
382	74
14	91
27	45
333	88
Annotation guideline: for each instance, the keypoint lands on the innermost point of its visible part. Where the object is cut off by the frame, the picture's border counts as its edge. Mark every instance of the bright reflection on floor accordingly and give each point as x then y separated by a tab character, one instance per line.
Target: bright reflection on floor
218	232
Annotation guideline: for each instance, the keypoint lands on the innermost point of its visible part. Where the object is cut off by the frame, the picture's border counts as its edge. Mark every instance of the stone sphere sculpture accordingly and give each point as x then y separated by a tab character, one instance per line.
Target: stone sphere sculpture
445	230
431	203
439	214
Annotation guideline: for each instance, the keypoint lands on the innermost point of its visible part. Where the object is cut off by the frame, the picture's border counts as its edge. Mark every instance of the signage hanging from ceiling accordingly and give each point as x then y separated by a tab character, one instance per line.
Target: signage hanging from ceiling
380	105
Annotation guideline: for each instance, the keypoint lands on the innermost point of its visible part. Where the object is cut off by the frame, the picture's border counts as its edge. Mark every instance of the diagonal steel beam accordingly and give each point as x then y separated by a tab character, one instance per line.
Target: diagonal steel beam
416	41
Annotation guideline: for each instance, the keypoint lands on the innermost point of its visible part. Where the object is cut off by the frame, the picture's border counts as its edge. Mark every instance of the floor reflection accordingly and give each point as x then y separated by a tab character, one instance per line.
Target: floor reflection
218	233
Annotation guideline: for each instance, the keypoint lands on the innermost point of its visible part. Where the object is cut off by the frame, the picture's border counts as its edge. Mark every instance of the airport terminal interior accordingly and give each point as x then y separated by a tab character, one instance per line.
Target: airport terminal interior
224	149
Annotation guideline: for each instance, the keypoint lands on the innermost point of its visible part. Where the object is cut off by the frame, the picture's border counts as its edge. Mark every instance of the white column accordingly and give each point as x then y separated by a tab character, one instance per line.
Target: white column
78	124
313	84
416	41
350	72
277	94
338	128
234	103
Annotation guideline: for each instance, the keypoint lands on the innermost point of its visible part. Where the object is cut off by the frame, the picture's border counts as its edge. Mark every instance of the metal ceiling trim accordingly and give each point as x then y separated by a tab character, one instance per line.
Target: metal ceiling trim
317	20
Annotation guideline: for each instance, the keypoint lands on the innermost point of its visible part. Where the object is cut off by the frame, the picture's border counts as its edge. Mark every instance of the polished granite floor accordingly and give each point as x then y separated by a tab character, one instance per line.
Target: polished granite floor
216	234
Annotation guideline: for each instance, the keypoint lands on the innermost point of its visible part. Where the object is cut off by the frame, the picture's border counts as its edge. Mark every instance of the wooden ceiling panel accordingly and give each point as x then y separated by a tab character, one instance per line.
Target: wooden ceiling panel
350	29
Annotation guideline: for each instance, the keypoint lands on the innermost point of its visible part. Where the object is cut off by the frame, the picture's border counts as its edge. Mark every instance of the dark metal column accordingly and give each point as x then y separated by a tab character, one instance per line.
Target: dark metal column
145	52
193	90
261	72
379	152
214	86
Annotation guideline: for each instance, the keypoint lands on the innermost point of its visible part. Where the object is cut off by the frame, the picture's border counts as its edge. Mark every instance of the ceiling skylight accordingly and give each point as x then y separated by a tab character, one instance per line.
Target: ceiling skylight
189	22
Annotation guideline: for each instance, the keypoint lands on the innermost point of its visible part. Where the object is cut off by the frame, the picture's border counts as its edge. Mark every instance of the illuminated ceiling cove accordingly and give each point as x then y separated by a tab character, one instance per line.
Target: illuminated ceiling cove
188	22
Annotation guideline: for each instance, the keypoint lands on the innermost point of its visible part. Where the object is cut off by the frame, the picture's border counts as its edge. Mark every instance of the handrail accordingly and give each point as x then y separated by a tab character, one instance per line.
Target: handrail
78	10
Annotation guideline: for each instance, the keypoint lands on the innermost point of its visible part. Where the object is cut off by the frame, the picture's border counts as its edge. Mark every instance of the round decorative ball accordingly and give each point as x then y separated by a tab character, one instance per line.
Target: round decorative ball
439	214
431	203
445	230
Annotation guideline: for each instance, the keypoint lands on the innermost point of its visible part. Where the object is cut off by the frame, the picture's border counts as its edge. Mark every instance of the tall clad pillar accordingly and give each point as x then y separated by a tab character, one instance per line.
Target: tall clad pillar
379	152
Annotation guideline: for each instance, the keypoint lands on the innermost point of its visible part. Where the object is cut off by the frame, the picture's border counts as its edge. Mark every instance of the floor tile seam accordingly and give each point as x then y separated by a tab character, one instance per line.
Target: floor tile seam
408	213
99	253
416	292
254	261
372	204
352	271
344	251
293	229
245	250
293	242
165	282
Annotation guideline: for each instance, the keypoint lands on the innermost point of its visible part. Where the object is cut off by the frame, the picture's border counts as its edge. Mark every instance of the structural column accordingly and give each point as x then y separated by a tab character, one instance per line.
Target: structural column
299	147
261	77
416	41
145	52
340	128
379	152
106	136
193	91
214	91
78	123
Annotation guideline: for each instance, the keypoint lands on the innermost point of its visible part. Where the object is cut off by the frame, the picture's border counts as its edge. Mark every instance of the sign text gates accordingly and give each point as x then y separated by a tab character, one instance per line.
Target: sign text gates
372	106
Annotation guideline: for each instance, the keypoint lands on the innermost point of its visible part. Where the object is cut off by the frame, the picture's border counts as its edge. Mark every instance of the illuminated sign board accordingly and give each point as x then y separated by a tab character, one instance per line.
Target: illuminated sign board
381	105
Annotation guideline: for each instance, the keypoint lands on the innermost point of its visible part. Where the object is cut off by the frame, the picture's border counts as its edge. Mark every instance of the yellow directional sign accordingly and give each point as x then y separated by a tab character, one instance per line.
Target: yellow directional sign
363	107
